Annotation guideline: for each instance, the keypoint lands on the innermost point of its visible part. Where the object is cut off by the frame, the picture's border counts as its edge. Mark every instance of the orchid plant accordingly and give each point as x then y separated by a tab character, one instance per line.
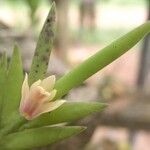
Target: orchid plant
31	106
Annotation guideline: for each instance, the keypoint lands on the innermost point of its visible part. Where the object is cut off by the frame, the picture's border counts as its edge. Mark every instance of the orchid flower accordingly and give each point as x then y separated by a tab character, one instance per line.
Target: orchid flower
37	99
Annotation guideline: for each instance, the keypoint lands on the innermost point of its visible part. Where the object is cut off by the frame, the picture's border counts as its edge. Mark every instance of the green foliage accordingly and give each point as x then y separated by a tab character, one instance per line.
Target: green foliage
101	59
43	48
3	73
38	137
125	2
12	87
68	112
97	36
33	5
14	129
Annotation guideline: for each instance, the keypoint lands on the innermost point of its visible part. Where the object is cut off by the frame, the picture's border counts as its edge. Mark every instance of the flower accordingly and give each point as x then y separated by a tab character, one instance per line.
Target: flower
37	99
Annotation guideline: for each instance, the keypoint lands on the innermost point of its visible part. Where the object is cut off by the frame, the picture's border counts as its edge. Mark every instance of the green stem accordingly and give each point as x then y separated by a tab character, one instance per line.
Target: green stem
101	59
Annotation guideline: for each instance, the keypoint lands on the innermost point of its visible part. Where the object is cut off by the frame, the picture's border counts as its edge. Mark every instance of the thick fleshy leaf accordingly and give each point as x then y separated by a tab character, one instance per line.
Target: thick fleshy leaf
3	64
43	48
13	84
101	59
3	73
68	112
39	137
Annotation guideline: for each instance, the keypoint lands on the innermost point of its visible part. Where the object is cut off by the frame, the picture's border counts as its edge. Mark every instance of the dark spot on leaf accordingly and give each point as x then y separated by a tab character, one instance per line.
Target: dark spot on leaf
48	20
37	65
44	58
44	72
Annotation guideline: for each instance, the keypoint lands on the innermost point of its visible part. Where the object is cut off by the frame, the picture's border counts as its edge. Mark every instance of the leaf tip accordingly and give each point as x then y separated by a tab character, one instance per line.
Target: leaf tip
16	49
53	6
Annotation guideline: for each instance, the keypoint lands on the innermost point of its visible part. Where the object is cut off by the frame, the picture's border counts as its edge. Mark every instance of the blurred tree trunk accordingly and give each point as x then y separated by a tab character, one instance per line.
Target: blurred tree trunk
87	14
143	79
61	42
144	66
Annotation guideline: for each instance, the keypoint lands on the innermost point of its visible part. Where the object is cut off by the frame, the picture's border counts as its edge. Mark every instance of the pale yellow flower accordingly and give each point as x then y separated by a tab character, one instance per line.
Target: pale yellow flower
37	99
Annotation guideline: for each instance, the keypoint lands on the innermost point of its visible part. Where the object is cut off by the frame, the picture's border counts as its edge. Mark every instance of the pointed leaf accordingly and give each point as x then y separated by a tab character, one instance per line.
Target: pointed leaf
101	59
68	112
43	48
3	63
3	73
14	83
39	137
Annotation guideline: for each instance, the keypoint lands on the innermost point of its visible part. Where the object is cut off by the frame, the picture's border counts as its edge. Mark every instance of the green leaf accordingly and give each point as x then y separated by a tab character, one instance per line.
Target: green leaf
39	137
3	73
68	112
101	59
43	48
12	93
3	63
33	4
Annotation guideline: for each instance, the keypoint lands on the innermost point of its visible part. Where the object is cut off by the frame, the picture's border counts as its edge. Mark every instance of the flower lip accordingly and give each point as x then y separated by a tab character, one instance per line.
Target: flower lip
37	99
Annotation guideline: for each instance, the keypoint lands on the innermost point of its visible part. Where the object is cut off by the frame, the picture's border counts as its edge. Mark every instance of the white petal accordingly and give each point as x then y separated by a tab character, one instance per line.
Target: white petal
39	94
47	107
48	83
52	94
25	86
25	91
52	106
35	84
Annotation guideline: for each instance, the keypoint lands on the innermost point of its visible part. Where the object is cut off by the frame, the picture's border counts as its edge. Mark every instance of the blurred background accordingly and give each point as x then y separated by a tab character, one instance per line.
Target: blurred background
83	27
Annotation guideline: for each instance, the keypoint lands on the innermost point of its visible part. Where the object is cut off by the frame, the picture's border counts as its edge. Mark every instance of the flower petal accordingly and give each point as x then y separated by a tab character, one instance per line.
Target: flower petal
52	106
25	86
36	99
39	94
33	103
48	83
47	107
24	92
52	94
35	84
